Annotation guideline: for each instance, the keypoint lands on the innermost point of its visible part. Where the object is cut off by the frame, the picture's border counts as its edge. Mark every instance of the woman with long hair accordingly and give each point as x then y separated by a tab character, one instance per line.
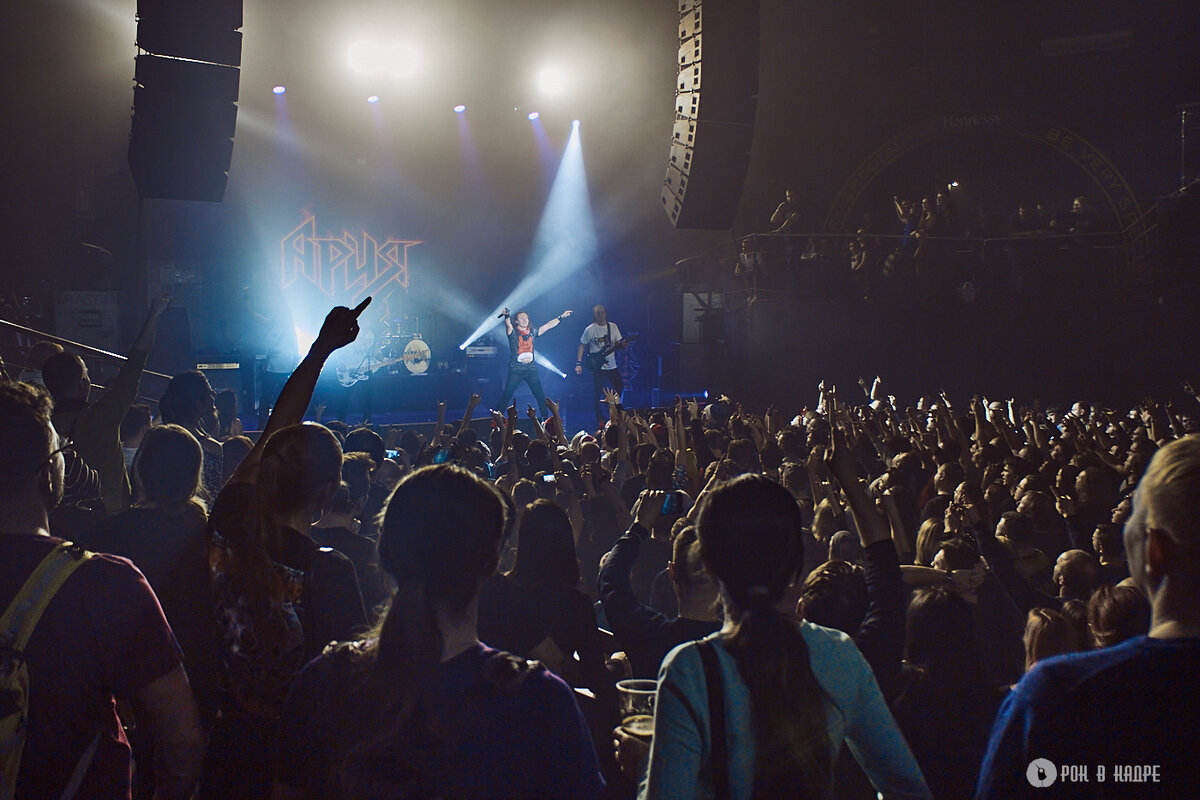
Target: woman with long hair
279	597
229	424
421	708
538	610
761	708
189	402
947	708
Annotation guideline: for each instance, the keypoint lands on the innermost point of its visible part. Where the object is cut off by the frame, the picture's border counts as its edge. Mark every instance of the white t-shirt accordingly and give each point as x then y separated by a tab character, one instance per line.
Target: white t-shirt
595	338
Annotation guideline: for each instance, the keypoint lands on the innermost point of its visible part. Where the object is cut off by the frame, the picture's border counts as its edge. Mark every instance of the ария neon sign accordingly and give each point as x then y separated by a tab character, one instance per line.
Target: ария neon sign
345	266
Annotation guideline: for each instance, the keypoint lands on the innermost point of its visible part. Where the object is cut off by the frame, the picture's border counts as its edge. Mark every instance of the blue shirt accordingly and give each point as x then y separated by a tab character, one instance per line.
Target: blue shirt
680	756
1134	704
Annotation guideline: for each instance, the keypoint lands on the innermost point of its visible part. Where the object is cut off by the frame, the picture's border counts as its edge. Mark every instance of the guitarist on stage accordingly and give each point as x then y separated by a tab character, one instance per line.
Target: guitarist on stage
597	338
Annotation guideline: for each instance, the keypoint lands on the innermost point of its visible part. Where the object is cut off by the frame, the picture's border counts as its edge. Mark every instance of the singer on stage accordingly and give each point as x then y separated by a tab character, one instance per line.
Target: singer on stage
521	366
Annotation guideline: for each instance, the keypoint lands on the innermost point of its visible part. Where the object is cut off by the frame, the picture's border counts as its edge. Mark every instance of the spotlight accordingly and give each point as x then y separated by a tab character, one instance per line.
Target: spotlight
279	89
533	115
952	185
460	108
373	99
574	123
551	81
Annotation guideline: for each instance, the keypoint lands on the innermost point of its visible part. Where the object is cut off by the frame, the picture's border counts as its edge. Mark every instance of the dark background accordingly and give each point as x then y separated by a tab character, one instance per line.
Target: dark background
838	81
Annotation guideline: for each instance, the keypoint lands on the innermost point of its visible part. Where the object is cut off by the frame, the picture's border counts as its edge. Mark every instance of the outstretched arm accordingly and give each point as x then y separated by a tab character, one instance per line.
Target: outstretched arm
508	328
554	322
471	405
339	329
122	391
145	338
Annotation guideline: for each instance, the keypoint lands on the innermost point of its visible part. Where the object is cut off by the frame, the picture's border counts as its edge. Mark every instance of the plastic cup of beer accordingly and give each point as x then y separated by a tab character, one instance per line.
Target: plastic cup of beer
637	707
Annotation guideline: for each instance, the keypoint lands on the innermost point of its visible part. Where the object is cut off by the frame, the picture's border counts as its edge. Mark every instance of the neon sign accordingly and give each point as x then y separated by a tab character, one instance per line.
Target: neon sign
345	265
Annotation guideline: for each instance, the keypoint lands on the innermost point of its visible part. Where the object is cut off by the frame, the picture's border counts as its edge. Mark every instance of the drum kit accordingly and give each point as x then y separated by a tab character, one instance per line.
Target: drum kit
402	344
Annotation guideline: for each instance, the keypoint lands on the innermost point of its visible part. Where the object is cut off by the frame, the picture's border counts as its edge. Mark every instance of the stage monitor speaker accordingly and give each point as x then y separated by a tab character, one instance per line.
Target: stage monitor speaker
715	103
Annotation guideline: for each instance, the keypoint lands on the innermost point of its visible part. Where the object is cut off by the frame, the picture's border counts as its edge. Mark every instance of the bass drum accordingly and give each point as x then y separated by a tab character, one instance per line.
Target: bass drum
417	356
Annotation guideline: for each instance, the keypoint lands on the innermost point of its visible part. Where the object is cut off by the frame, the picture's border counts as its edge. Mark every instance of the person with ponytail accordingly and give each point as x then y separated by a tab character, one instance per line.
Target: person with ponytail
420	708
279	598
761	708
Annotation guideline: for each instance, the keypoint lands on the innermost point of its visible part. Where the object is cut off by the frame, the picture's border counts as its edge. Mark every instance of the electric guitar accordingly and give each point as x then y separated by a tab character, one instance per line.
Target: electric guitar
348	377
593	362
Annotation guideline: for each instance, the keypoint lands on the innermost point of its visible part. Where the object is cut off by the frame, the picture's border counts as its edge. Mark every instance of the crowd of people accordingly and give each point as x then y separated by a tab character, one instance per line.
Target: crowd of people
851	597
932	249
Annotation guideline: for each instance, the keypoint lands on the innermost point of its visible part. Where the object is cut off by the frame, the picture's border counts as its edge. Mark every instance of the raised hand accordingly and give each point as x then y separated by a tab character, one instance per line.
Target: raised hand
723	469
161	304
531	412
340	327
610	396
647	507
839	460
475	399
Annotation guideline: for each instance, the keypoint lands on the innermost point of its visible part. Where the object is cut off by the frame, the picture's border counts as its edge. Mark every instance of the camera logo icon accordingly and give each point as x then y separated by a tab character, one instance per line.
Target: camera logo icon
1041	773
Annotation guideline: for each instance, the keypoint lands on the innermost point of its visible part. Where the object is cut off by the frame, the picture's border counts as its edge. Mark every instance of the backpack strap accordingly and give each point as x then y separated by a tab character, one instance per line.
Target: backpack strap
21	618
716	719
23	614
81	768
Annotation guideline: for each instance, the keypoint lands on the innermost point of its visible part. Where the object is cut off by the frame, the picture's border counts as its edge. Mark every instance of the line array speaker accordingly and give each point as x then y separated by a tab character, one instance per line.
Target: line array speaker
185	97
715	100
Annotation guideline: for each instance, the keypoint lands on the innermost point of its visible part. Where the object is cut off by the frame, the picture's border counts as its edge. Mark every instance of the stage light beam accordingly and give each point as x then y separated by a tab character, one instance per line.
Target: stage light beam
565	241
548	364
281	89
533	115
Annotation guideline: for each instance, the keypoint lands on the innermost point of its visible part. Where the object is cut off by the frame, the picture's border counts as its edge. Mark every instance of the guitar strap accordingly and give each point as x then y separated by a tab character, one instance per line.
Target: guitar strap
608	336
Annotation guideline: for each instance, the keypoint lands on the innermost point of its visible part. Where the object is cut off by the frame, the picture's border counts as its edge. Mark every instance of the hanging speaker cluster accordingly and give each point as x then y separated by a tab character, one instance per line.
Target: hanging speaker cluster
715	97
185	97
